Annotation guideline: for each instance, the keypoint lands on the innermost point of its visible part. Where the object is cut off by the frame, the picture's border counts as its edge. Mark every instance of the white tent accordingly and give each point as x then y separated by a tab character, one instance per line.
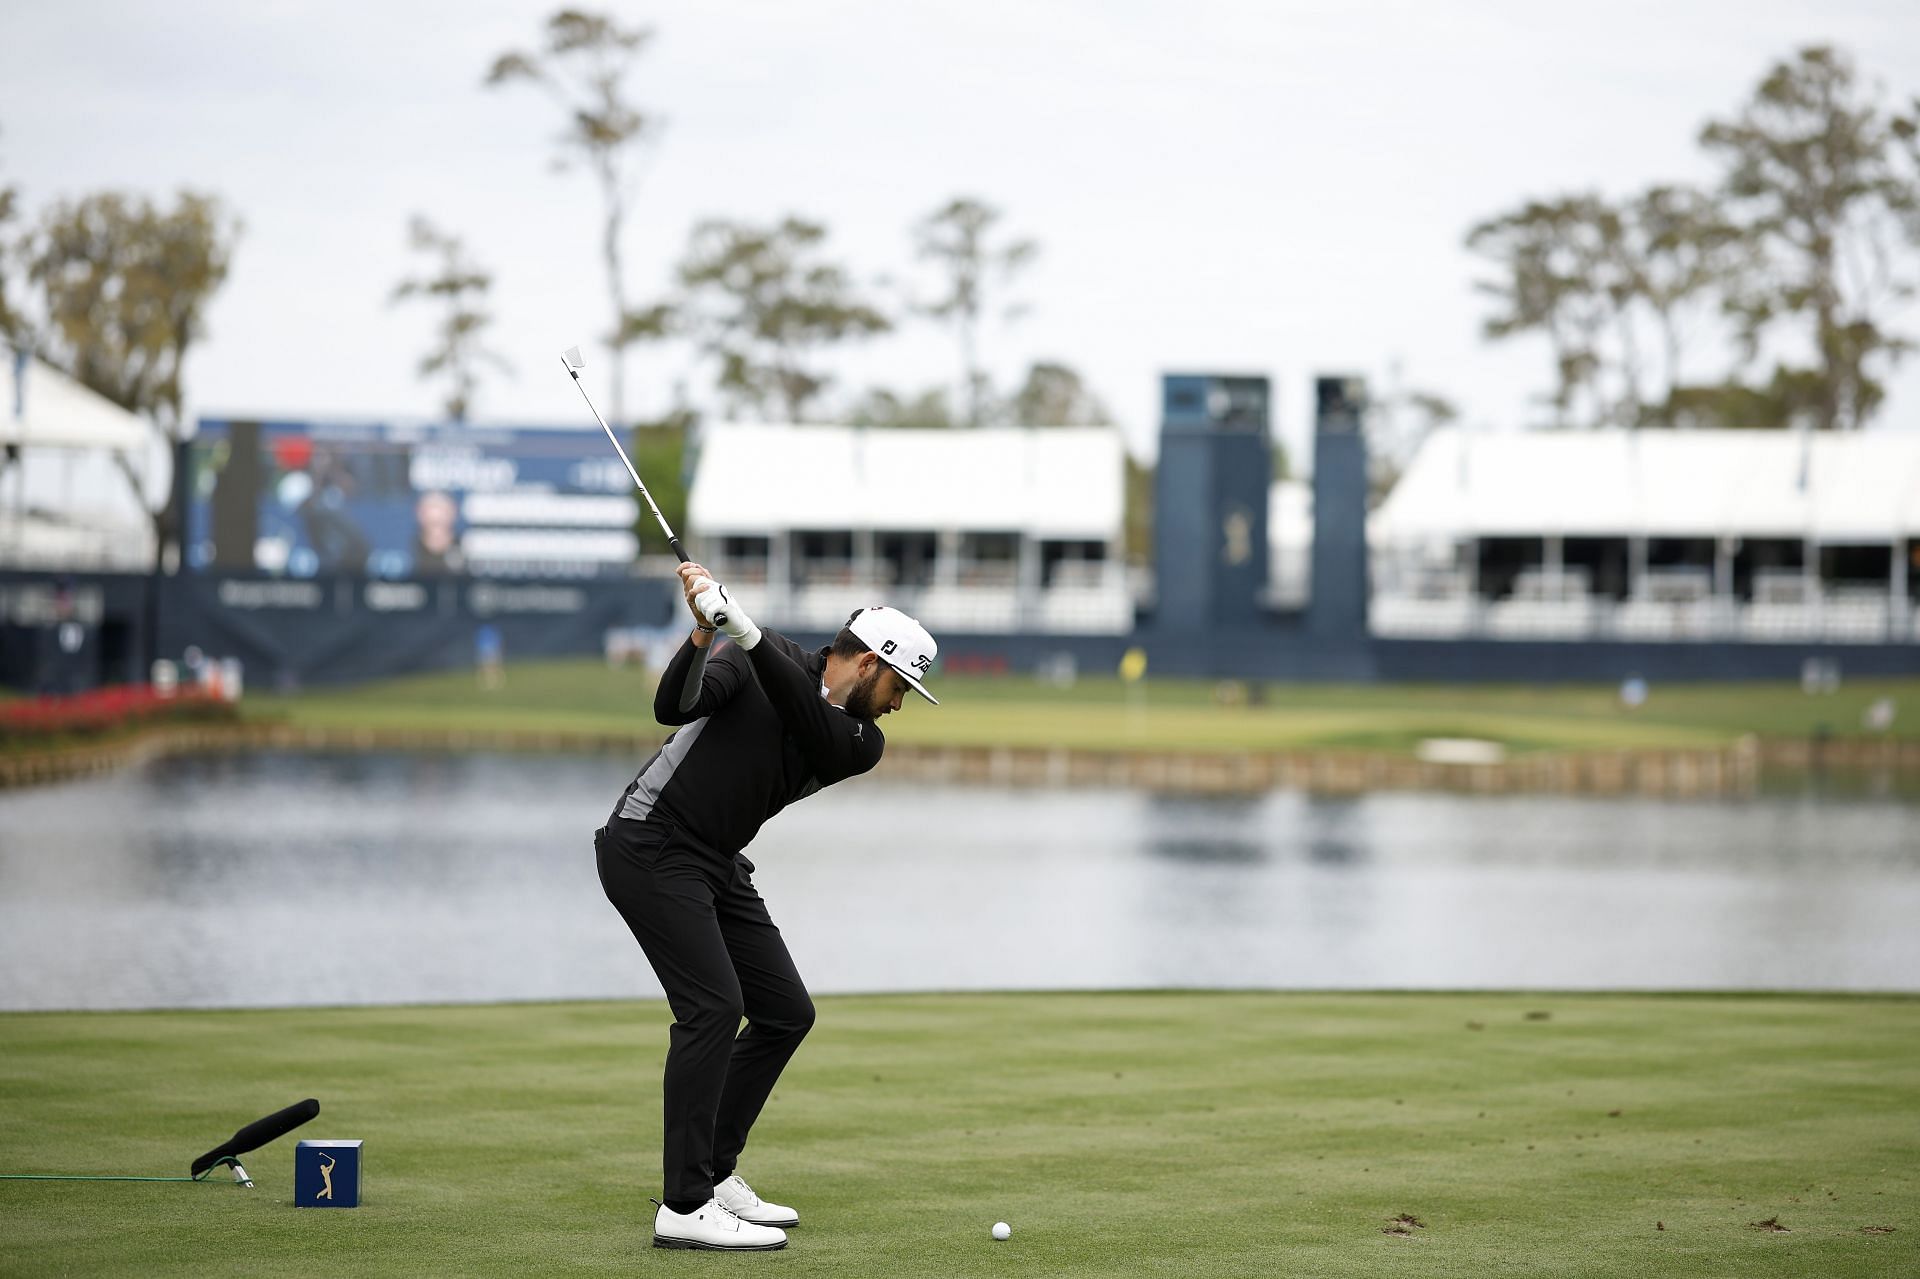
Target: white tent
1010	527
1862	487
1055	482
63	503
45	408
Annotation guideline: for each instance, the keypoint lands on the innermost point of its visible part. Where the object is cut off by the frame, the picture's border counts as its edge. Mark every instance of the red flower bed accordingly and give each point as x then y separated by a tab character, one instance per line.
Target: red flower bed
102	711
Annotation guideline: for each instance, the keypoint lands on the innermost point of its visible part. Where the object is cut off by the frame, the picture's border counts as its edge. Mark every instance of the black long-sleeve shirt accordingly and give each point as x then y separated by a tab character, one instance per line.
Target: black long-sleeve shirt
758	736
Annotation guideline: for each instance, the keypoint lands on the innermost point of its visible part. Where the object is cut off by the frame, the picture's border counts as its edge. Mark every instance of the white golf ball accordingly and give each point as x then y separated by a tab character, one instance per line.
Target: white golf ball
1001	1230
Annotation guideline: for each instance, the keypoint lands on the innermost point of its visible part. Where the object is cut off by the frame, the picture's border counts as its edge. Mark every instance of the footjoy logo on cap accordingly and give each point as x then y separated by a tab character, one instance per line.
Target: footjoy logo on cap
900	641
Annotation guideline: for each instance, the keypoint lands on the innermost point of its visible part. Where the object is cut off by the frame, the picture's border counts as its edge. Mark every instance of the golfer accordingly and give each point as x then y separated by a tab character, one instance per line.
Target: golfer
759	723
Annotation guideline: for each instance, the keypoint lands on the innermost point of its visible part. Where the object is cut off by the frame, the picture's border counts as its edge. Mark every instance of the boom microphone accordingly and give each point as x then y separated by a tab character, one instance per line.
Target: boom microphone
258	1133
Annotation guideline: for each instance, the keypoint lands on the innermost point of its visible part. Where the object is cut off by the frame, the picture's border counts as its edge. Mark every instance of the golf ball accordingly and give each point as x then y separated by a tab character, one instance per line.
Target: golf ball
1001	1230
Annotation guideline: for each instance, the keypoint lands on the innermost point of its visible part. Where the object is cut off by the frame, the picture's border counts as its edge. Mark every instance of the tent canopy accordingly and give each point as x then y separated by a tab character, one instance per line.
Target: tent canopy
1861	487
1055	482
41	407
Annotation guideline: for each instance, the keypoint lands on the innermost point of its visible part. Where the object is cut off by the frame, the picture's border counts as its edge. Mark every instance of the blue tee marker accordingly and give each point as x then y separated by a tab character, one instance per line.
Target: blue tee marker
326	1174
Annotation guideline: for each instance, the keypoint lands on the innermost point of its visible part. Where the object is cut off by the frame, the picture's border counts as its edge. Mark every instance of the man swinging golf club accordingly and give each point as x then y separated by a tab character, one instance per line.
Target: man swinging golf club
759	724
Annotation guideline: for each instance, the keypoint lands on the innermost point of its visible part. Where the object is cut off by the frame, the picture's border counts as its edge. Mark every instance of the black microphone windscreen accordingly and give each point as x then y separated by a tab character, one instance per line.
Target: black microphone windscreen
259	1133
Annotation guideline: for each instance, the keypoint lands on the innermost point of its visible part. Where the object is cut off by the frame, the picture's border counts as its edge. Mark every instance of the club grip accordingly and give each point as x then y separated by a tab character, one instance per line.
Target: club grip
679	550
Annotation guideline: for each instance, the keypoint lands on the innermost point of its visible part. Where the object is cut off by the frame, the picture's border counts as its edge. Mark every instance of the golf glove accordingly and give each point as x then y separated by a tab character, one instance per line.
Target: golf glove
720	608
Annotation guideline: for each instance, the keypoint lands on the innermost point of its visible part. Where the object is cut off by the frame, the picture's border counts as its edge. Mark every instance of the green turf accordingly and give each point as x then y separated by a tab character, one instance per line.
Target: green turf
1104	714
1122	1134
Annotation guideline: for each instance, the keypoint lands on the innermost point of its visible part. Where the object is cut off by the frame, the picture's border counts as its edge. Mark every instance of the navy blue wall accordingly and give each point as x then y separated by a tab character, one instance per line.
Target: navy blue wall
67	632
341	630
1285	651
336	642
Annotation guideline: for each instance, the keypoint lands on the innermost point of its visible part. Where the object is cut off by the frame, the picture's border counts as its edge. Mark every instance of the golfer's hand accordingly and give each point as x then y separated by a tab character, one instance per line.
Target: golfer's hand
714	604
694	580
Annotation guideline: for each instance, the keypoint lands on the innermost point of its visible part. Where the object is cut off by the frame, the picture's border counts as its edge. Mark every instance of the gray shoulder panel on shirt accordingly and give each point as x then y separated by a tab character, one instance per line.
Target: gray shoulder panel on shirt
645	795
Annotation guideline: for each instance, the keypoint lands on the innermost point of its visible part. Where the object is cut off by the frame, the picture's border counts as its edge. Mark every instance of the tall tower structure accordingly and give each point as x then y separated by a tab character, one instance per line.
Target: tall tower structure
1210	501
1337	613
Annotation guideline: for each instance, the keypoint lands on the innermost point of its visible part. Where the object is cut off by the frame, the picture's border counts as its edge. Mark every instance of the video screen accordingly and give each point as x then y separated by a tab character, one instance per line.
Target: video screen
309	499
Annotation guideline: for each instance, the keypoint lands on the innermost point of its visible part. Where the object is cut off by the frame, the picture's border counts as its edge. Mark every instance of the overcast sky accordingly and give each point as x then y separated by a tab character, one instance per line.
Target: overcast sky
1215	185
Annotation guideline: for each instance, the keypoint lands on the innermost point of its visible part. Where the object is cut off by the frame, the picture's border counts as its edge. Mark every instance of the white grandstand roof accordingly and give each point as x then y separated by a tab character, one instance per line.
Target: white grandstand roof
1055	482
41	407
1856	487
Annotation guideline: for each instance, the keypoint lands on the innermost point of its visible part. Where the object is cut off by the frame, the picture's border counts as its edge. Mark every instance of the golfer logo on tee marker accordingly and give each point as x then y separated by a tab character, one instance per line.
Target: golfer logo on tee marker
326	1177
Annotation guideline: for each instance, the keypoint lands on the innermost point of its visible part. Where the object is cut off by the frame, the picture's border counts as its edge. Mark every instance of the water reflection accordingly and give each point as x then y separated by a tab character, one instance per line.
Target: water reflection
1186	828
315	878
1336	835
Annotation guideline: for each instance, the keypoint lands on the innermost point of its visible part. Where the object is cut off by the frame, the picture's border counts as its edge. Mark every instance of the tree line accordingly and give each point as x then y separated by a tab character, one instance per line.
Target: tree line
1792	268
1796	261
113	288
767	303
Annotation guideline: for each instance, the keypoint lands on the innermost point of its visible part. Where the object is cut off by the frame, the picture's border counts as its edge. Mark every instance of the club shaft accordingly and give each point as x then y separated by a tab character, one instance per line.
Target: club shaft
613	439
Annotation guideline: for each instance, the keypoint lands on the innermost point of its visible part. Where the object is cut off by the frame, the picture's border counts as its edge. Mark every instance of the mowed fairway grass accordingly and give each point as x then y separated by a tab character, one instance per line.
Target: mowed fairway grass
1179	1134
1102	713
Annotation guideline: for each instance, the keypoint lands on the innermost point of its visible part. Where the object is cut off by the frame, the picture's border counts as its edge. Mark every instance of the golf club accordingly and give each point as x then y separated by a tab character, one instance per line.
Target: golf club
574	362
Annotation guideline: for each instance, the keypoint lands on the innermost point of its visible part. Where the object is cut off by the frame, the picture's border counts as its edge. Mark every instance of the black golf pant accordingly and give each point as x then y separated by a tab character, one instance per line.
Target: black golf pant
719	956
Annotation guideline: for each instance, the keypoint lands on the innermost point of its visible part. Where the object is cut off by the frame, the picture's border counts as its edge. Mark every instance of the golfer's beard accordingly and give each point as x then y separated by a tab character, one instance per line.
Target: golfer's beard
860	702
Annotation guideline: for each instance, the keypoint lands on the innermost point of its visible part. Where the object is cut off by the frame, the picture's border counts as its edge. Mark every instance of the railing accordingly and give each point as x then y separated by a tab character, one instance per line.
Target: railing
74	550
985	597
1836	616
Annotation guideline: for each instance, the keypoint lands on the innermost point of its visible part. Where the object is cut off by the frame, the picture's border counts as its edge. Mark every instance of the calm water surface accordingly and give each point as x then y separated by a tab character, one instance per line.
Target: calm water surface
305	878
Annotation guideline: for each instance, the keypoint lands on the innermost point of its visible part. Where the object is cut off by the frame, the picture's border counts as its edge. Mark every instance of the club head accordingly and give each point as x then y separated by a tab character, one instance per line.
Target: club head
573	358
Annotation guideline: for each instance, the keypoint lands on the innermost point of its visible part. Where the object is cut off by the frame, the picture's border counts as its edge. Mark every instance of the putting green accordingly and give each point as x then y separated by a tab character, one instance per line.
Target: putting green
1121	1134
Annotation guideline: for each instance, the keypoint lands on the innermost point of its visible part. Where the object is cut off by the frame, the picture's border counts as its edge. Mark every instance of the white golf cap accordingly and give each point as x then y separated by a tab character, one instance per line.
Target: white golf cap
901	642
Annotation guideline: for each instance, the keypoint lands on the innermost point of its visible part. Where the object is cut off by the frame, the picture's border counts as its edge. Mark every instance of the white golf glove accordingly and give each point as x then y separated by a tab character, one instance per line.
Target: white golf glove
723	611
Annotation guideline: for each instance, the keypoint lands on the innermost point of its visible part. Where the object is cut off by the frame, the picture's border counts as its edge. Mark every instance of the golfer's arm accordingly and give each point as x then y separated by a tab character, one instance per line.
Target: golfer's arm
693	687
834	743
695	677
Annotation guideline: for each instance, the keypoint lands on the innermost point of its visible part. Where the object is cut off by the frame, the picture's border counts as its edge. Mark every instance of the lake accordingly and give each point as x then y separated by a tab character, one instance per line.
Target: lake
299	878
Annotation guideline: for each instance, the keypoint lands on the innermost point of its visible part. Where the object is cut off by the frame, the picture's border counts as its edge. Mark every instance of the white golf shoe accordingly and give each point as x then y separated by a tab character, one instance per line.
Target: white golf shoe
740	1200
713	1226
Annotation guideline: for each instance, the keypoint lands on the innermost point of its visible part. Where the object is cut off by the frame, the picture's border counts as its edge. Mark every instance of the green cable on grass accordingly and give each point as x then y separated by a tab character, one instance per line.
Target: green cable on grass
80	1176
62	1176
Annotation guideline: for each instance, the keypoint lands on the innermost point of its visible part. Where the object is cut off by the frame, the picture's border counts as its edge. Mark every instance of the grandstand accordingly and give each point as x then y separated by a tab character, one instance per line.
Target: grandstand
1001	529
1652	536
